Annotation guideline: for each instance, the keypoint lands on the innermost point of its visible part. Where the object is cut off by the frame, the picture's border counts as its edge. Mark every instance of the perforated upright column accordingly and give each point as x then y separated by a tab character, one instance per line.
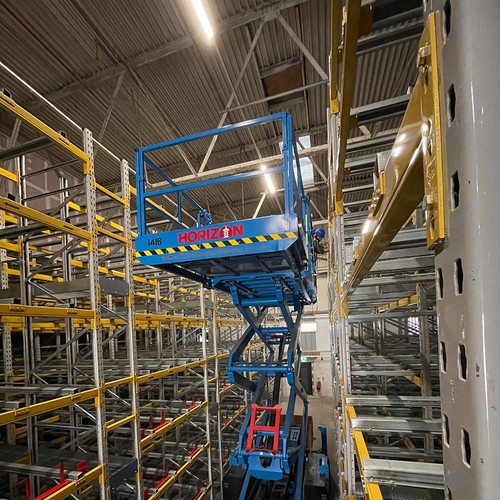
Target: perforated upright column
96	331
468	269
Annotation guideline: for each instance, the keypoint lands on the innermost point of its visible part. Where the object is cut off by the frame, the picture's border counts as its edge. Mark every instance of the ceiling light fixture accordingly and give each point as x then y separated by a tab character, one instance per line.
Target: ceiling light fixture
203	18
269	181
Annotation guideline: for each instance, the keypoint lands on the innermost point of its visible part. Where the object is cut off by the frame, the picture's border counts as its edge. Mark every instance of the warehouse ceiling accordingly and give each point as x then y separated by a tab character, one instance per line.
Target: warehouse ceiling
137	73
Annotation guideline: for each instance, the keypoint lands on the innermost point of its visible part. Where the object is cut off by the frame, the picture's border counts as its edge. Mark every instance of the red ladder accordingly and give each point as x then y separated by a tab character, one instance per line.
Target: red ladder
273	430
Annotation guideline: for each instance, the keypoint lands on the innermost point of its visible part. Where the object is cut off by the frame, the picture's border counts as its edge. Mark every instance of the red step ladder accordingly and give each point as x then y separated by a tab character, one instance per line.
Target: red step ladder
273	429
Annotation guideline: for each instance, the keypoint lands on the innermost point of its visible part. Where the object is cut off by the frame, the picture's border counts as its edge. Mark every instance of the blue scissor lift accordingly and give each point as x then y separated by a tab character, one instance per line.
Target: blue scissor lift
266	263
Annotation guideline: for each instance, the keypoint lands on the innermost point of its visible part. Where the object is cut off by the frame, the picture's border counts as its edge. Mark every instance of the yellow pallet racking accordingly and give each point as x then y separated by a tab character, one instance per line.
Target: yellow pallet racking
114	359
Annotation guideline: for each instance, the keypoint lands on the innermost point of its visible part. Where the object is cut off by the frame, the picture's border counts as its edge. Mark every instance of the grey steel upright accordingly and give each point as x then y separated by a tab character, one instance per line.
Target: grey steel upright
468	269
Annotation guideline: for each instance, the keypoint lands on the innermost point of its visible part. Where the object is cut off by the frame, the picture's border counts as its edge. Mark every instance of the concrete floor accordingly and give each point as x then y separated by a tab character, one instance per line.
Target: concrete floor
321	411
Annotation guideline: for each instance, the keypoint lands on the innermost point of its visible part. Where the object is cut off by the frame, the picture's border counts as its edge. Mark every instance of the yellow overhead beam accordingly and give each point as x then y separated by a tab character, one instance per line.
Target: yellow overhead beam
19	112
34	215
348	83
334	55
415	167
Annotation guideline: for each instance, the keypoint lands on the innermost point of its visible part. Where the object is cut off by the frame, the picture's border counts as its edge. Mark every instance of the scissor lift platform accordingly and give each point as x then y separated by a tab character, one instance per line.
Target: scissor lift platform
264	262
252	252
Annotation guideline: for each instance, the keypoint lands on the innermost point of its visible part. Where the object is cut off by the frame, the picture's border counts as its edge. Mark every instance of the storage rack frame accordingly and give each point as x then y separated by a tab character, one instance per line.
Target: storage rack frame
106	349
441	157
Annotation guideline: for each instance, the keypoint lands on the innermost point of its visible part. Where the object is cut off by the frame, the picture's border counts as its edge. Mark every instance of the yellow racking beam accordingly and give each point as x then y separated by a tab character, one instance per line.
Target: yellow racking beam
195	293
415	380
77	208
9	218
205	492
148	377
14	247
11	247
112	272
34	215
74	486
14	320
162	318
112	235
234	417
229	322
43	277
111	426
11	416
133	191
144	294
405	301
396	305
415	167
182	469
11	176
334	54
146	441
102	270
168	371
118	382
225	390
348	83
177	320
112	195
13	220
19	112
372	490
45	312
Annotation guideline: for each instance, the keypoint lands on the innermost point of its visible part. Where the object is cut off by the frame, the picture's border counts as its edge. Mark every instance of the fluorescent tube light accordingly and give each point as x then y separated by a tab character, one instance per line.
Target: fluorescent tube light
203	18
269	181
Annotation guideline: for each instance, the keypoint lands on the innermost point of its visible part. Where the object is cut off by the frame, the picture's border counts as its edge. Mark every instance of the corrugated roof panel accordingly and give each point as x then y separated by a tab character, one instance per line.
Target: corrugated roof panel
51	45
